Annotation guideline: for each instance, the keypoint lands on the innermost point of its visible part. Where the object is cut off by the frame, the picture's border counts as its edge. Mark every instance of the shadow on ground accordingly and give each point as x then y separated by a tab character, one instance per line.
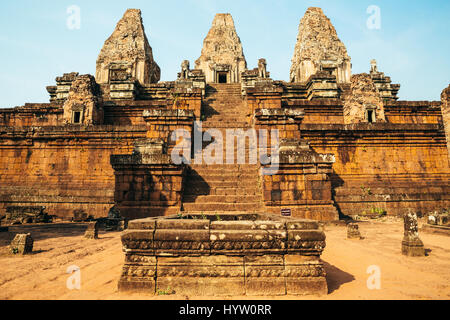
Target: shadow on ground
336	277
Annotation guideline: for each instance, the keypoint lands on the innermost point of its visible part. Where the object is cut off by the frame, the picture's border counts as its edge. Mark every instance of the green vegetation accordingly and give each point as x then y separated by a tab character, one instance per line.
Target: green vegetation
166	292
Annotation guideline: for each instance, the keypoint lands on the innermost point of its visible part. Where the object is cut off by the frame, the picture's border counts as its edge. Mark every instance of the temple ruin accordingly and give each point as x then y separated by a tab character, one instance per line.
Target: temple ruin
347	144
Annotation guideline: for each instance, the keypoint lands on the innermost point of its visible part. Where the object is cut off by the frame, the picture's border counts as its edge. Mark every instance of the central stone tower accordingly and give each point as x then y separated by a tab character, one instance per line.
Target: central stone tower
318	49
222	59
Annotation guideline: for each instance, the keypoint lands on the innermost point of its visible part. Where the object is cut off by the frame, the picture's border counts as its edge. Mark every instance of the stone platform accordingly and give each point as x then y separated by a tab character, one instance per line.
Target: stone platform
224	255
443	230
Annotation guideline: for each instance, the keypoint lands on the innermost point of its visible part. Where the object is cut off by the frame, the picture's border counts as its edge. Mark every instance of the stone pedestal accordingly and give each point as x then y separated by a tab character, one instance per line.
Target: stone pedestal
148	184
211	256
301	183
353	231
22	244
92	231
412	246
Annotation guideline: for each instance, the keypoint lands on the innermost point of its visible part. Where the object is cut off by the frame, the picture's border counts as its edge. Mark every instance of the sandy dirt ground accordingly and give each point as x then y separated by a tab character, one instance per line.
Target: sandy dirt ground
43	275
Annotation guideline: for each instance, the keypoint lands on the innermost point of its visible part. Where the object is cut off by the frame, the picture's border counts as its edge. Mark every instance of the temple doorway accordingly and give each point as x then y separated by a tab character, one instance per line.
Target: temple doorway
222	77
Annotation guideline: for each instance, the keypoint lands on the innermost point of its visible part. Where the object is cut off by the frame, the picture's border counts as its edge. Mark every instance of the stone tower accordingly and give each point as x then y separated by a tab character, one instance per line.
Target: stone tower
127	53
222	59
318	48
363	102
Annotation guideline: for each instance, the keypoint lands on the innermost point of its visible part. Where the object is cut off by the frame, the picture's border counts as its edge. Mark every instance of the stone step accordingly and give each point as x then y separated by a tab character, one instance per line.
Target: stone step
206	190
225	125
221	176
222	199
223	206
228	115
212	172
234	166
220	184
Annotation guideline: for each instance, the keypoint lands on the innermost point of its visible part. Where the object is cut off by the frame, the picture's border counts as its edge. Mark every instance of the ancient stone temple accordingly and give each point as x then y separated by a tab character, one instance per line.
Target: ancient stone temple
335	144
222	59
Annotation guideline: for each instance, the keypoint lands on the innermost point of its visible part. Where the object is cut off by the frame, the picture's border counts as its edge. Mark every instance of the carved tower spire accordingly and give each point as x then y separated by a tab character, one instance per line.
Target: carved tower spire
318	48
222	58
128	52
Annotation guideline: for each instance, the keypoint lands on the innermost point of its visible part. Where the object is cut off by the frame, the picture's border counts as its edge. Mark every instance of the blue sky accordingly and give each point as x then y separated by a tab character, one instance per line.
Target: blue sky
412	46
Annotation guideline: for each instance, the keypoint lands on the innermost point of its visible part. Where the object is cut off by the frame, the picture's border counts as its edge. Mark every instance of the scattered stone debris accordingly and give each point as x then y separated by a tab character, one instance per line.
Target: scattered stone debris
439	219
114	221
438	222
92	231
26	215
412	245
81	216
22	244
353	231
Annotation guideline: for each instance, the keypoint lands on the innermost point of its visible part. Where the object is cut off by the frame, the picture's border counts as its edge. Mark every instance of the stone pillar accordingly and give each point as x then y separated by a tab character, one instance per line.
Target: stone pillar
353	231
22	244
412	245
445	109
92	231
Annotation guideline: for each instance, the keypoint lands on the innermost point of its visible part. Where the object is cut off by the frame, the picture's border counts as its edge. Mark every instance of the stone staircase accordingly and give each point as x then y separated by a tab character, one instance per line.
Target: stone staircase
223	188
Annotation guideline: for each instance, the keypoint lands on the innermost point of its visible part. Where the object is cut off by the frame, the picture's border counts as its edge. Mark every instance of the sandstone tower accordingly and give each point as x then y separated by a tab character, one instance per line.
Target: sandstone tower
363	103
127	53
318	48
222	59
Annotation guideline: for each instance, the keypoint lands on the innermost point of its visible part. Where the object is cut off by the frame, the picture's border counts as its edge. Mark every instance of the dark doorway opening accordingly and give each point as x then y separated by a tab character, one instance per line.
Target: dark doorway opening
77	117
371	116
222	77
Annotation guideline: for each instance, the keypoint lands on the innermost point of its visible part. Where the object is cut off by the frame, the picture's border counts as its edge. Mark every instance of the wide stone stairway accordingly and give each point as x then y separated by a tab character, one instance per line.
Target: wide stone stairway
221	187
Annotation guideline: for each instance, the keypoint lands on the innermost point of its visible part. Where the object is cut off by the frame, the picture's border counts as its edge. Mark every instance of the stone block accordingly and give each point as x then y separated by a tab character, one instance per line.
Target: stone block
264	275
22	244
92	231
353	231
202	276
412	246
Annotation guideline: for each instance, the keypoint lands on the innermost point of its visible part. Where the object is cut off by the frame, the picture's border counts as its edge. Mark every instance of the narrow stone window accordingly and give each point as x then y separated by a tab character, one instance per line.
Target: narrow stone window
371	116
77	117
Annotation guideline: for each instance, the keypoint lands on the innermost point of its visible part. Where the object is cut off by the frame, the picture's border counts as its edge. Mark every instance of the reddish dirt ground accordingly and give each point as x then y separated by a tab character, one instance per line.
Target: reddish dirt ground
42	275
